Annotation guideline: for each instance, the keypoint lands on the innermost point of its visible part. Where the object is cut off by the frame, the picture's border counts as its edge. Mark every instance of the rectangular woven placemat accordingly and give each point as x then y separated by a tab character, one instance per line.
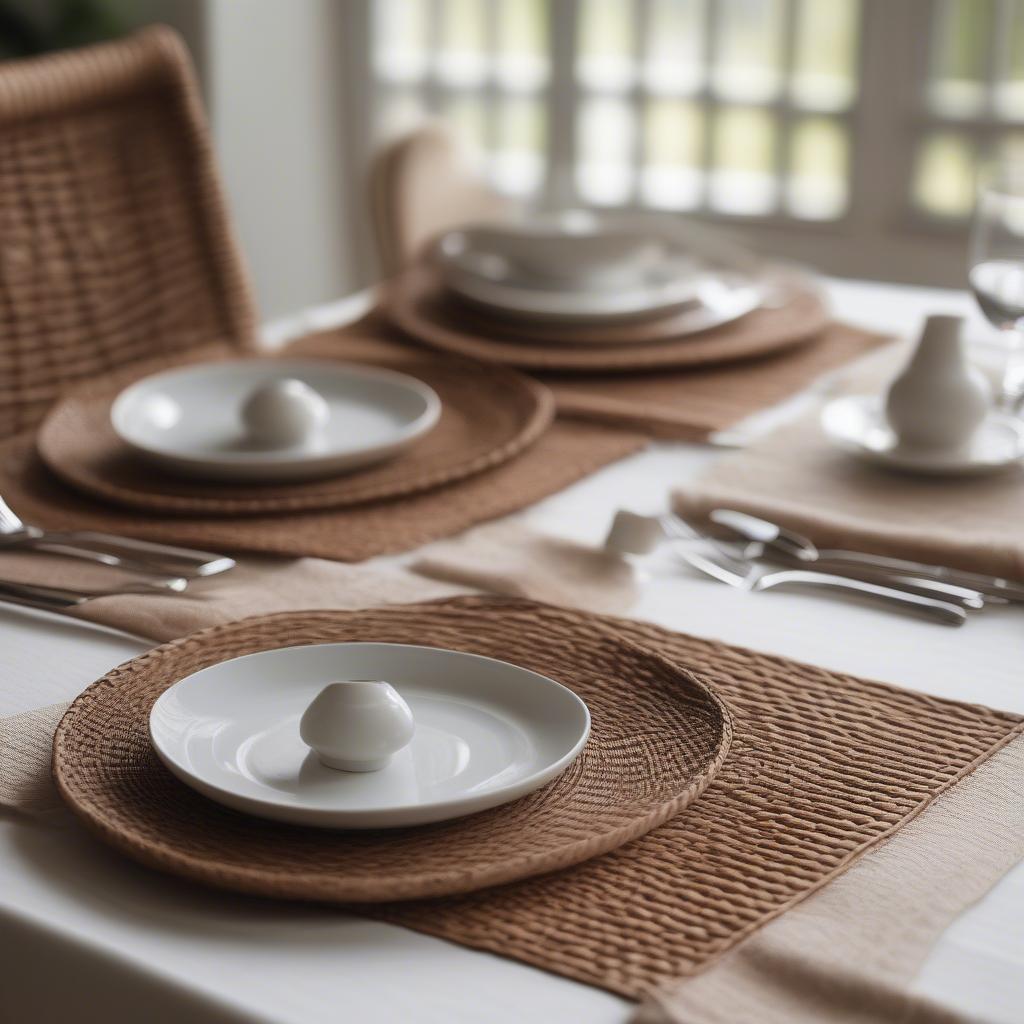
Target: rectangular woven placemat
822	768
565	453
684	405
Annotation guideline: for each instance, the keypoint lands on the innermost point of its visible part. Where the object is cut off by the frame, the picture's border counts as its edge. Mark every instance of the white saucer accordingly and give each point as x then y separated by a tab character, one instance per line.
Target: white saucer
490	280
487	732
857	425
189	420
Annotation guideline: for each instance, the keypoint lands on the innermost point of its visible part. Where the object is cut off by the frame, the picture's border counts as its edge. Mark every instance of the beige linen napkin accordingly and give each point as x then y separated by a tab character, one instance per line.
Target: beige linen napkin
847	954
797	478
504	557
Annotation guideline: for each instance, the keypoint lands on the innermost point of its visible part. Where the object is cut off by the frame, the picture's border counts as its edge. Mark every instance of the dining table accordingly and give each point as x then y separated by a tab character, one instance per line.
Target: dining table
88	935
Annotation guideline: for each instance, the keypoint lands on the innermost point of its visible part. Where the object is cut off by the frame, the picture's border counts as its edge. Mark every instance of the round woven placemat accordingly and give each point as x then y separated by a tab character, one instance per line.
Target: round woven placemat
489	415
417	305
659	734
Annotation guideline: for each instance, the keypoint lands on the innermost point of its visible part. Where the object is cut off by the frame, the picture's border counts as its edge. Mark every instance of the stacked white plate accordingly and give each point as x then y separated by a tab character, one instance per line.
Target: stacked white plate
577	269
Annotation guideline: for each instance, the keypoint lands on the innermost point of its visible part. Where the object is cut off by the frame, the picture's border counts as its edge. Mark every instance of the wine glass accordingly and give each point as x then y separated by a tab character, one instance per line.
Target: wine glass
997	271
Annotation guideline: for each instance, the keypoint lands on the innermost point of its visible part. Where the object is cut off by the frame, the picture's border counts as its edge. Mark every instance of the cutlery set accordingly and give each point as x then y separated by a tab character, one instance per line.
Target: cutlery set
735	552
169	568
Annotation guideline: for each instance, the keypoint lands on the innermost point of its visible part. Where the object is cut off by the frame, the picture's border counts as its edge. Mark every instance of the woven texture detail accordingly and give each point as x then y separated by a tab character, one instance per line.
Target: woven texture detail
489	415
658	736
417	306
563	454
822	768
685	404
114	241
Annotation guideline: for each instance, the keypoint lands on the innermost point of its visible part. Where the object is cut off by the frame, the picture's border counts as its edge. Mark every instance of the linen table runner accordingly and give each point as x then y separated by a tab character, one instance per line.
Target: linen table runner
796	477
687	405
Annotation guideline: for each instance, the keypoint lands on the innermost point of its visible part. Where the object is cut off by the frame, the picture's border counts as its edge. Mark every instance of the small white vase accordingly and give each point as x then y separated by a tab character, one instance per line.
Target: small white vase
356	726
939	399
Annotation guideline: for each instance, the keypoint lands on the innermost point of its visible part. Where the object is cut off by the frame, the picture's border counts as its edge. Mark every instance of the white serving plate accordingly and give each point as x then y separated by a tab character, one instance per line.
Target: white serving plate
188	420
487	732
857	425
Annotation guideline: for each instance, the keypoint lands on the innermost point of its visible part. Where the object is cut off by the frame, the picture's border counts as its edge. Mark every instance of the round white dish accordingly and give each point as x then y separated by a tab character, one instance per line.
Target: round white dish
189	420
711	299
573	249
490	280
857	425
486	732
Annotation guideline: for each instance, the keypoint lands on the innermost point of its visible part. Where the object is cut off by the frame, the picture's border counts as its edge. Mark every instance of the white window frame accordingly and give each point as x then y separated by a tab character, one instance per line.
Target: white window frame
878	237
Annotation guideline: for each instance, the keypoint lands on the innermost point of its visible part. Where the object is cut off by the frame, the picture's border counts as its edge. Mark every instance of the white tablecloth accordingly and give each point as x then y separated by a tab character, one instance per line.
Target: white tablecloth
90	936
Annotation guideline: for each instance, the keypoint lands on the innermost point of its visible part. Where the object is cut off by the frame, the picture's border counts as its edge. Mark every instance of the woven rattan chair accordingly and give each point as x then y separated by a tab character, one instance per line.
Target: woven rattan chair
115	246
422	184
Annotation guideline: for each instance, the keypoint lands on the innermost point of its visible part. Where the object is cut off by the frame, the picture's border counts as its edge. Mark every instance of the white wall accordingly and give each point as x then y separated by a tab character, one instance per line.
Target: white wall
274	90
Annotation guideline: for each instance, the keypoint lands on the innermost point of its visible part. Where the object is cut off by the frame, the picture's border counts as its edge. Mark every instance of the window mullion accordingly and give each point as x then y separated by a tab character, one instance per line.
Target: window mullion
707	101
783	103
638	93
893	68
563	21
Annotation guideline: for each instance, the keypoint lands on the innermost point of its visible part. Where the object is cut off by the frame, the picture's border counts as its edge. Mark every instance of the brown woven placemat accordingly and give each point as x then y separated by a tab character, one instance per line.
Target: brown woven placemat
683	404
563	454
822	767
416	304
489	415
116	242
658	736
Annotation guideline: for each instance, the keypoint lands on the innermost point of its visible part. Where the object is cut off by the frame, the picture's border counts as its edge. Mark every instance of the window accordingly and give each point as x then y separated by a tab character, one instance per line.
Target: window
841	132
974	101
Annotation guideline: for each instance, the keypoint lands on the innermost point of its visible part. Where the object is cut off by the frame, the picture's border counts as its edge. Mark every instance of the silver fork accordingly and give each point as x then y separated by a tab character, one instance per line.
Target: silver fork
746	576
120	552
795	546
632	533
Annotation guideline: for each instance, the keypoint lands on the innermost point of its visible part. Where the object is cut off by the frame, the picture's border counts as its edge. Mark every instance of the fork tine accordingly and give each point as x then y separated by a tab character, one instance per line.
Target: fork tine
723	568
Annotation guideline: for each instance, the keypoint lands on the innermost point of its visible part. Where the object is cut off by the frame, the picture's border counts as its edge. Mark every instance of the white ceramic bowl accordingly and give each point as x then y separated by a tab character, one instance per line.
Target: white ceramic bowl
487	732
591	255
189	420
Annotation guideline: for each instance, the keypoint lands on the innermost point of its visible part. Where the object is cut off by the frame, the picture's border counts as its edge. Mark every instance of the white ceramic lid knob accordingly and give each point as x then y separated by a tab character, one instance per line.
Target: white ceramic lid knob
356	726
284	412
939	399
633	534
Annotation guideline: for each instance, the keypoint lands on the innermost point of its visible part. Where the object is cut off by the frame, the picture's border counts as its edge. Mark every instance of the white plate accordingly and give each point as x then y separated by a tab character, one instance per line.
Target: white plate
491	281
858	425
487	732
189	420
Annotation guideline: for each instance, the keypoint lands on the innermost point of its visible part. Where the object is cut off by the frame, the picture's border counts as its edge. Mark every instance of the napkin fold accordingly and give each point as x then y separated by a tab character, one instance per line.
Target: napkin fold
505	557
794	476
797	478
